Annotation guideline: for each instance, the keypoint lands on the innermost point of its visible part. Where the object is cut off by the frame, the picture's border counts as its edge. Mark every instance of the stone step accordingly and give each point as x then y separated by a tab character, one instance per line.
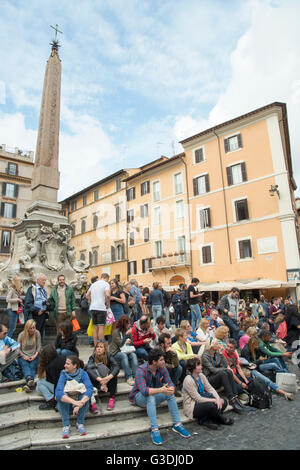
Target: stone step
45	437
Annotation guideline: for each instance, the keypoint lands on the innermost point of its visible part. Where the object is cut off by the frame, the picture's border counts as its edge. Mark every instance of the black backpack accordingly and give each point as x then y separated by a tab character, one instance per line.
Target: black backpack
260	395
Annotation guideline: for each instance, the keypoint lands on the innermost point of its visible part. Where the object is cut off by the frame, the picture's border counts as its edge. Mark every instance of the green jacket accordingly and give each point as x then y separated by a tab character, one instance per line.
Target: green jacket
266	349
70	300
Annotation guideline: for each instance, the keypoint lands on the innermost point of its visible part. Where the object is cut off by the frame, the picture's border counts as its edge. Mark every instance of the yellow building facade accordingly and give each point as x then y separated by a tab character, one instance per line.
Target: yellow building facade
222	211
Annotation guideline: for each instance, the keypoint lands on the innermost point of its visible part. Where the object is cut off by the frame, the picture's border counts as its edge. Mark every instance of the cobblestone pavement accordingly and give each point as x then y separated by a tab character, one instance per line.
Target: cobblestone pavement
277	428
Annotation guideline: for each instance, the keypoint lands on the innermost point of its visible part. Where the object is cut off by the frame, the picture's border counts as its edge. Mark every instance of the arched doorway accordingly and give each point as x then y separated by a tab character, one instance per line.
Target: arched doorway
176	280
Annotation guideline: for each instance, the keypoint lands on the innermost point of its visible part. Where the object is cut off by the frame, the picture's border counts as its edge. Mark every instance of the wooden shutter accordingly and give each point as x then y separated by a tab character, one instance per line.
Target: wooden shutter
246	209
14	214
207	186
127	194
195	186
250	248
199	155
135	270
16	190
123	251
206	254
113	253
143	265
241	249
244	172
208	217
226	145
146	234
3	189
229	175
239	137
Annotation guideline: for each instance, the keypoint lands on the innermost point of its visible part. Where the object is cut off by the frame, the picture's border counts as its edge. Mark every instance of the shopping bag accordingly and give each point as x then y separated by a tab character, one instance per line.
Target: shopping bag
75	324
107	330
90	328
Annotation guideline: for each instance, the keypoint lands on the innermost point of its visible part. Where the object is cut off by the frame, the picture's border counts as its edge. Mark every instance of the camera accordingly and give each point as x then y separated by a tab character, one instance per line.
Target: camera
49	305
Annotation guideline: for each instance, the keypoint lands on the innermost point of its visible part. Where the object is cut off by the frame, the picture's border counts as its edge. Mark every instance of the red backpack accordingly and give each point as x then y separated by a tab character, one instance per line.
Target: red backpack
281	332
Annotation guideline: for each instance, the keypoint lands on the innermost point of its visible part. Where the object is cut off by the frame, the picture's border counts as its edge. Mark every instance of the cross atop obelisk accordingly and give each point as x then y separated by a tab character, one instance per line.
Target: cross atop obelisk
45	180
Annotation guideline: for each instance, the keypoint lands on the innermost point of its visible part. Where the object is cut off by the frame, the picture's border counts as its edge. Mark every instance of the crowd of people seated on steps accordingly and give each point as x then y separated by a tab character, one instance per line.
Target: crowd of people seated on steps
211	349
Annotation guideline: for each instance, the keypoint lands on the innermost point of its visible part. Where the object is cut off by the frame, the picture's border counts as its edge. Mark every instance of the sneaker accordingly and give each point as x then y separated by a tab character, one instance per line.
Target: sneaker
130	381
81	429
156	438
181	430
111	404
65	432
94	409
31	382
26	388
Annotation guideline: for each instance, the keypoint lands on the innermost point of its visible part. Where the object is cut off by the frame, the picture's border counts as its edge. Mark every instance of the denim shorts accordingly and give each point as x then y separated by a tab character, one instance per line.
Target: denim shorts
99	317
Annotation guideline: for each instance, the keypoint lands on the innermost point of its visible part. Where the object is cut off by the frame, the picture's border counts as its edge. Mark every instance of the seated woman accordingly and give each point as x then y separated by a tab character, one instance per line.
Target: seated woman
120	337
103	370
250	333
30	346
215	369
78	403
252	353
49	368
200	399
66	340
205	334
192	338
183	349
222	334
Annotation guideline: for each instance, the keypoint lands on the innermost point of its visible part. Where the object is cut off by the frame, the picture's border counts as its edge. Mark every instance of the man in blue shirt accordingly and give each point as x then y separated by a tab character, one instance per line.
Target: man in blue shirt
35	304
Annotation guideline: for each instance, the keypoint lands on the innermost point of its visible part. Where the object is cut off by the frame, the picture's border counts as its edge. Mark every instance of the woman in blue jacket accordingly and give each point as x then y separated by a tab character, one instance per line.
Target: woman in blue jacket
66	404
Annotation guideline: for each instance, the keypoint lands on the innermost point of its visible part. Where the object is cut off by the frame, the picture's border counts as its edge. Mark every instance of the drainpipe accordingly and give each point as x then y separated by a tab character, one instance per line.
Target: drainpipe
189	221
224	197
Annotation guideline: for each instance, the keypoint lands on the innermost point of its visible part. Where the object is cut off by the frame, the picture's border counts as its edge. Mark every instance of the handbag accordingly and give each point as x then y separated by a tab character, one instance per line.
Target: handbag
127	348
75	324
109	317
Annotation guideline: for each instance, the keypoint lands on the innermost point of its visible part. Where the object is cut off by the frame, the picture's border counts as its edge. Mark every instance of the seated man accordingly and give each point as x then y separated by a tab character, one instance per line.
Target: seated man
142	335
153	386
9	349
214	320
271	353
171	361
159	329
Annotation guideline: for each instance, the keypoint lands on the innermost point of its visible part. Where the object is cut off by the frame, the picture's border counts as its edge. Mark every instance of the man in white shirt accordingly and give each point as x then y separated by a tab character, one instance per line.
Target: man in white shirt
98	296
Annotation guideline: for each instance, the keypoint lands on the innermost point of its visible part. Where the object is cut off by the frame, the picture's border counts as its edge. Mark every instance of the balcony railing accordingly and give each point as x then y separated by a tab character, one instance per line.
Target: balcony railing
171	261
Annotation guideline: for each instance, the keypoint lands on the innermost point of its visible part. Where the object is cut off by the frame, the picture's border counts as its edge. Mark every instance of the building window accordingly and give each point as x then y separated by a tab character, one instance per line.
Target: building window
8	210
178	182
206	254
118	184
118	212
181	247
5	241
82	255
179	209
204	218
199	155
130	194
130	215
145	188
96	194
244	249
156	191
158	248
201	185
236	174
12	169
84	200
233	143
95	258
10	190
144	210
131	238
74	205
95	221
132	268
118	277
241	210
90	258
156	216
146	234
120	252
83	226
146	265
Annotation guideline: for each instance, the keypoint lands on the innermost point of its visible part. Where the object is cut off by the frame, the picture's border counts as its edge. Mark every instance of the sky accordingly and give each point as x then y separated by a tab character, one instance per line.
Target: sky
138	76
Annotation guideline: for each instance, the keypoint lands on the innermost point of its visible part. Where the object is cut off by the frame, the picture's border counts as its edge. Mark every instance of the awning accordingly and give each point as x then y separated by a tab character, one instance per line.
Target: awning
243	285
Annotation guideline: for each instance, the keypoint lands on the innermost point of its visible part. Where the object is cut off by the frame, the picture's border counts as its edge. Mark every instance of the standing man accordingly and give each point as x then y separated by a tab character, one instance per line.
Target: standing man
194	299
98	296
152	387
64	300
167	303
136	293
229	309
35	304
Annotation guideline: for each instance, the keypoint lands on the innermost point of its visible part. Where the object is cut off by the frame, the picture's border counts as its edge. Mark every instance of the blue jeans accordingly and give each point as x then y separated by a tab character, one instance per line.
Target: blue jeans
28	368
196	316
13	319
117	310
277	364
142	353
65	352
175	374
167	317
124	359
152	401
232	324
45	388
266	380
156	312
66	409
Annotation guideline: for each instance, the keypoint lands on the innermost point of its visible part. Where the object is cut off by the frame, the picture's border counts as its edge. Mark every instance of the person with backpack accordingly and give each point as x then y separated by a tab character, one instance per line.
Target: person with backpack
184	301
9	352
